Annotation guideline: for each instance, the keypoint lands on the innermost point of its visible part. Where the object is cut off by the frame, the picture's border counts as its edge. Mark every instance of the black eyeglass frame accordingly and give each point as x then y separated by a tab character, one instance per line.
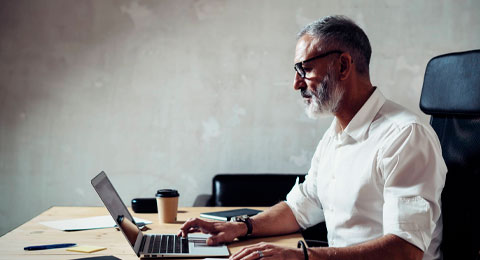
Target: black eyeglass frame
299	65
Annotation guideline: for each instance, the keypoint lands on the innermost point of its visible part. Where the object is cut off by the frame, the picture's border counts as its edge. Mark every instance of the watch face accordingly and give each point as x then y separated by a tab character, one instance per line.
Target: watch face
242	218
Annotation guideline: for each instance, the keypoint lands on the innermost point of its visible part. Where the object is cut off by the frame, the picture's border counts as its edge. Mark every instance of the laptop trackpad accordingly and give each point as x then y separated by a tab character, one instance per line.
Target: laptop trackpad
200	244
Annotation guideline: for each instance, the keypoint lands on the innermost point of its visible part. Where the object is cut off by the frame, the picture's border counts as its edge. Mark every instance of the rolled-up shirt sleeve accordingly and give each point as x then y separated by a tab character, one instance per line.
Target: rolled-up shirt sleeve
414	175
303	200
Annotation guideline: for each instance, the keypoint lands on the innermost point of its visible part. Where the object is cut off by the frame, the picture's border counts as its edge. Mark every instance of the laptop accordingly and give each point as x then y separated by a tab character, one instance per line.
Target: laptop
152	245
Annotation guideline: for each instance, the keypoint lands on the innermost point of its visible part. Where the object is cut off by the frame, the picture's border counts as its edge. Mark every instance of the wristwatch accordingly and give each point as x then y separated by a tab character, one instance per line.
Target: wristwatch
244	219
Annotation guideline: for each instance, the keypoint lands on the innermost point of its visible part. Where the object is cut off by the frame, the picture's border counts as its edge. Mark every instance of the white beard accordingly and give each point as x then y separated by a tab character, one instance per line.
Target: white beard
325	101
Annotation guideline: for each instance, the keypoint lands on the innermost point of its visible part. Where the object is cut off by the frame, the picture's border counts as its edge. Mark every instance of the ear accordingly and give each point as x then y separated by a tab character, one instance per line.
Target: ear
346	65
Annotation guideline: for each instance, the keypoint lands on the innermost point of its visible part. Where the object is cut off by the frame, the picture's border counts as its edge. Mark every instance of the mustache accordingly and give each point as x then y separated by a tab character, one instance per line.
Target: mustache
306	93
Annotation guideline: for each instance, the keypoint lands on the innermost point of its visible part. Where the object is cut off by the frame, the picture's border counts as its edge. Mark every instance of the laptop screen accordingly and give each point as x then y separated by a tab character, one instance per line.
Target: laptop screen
116	207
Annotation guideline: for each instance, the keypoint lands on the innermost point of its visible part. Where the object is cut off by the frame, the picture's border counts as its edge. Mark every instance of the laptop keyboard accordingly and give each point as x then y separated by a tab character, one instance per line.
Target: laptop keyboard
168	244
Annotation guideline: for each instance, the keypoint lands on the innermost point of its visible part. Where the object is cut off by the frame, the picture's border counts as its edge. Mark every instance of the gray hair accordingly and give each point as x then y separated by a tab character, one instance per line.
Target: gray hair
342	33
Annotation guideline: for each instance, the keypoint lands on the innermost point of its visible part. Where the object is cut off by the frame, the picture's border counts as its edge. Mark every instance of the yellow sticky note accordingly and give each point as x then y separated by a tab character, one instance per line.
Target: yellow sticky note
86	249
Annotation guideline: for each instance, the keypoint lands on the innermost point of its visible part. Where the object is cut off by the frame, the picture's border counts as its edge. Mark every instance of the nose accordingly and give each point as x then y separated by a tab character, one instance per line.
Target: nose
298	82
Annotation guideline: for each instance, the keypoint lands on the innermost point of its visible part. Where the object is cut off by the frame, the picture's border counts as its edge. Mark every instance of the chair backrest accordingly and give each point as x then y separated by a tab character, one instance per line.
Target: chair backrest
252	189
451	94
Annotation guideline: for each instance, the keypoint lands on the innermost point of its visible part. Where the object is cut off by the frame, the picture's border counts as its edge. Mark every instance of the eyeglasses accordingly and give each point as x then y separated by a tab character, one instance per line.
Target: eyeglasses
299	65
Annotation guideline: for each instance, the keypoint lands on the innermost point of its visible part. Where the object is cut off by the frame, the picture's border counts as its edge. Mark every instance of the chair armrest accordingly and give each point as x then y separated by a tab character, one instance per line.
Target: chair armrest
316	236
316	243
203	200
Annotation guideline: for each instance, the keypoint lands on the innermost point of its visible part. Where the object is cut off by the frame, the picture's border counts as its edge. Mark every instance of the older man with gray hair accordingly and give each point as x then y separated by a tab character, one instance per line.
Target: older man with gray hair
376	176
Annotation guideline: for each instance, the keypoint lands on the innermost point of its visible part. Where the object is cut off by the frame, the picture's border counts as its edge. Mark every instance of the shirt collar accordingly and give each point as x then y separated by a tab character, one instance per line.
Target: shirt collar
360	123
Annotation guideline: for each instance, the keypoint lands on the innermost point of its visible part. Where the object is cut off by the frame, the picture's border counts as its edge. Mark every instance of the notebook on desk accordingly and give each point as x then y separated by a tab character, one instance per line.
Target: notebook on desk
151	245
228	215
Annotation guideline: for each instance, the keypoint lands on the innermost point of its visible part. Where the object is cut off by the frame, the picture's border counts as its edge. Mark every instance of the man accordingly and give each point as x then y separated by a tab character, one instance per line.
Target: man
376	175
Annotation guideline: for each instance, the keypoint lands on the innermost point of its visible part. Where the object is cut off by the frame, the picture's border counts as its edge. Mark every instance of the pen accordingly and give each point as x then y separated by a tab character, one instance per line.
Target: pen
43	247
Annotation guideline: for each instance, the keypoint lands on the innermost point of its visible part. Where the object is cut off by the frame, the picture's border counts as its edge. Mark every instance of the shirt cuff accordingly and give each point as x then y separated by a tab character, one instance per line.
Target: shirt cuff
409	218
306	211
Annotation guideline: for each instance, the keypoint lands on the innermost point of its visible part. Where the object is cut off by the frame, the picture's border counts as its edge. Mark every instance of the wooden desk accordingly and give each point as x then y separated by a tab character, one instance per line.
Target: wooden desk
33	233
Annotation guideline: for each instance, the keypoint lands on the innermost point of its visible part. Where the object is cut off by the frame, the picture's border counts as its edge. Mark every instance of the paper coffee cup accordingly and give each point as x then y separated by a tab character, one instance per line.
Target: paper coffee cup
167	205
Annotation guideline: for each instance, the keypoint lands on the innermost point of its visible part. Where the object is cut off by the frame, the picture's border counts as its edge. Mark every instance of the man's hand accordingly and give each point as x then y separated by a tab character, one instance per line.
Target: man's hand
222	232
267	251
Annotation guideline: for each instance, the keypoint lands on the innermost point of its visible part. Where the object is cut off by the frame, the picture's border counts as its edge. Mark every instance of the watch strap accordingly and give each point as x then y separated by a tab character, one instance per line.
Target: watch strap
248	223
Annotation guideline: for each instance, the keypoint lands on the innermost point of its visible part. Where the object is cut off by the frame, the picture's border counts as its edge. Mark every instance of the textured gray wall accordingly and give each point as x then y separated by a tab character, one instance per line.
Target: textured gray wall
168	93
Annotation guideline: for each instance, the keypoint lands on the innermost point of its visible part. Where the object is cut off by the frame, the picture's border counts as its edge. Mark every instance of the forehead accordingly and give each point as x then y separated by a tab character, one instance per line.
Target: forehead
307	46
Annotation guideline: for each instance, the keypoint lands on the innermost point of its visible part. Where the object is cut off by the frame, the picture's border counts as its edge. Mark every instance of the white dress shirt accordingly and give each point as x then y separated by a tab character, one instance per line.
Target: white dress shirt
383	174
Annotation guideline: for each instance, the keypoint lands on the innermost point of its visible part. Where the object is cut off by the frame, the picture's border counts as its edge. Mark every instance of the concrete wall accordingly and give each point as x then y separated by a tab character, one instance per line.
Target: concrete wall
168	93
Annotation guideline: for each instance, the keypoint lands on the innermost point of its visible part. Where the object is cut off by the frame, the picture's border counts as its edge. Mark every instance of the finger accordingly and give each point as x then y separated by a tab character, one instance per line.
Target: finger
208	230
192	223
248	251
219	238
212	241
244	252
267	253
194	229
249	255
191	230
257	246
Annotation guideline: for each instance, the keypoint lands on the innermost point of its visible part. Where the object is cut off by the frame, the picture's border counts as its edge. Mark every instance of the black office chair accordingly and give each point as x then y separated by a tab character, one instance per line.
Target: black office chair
451	95
243	189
